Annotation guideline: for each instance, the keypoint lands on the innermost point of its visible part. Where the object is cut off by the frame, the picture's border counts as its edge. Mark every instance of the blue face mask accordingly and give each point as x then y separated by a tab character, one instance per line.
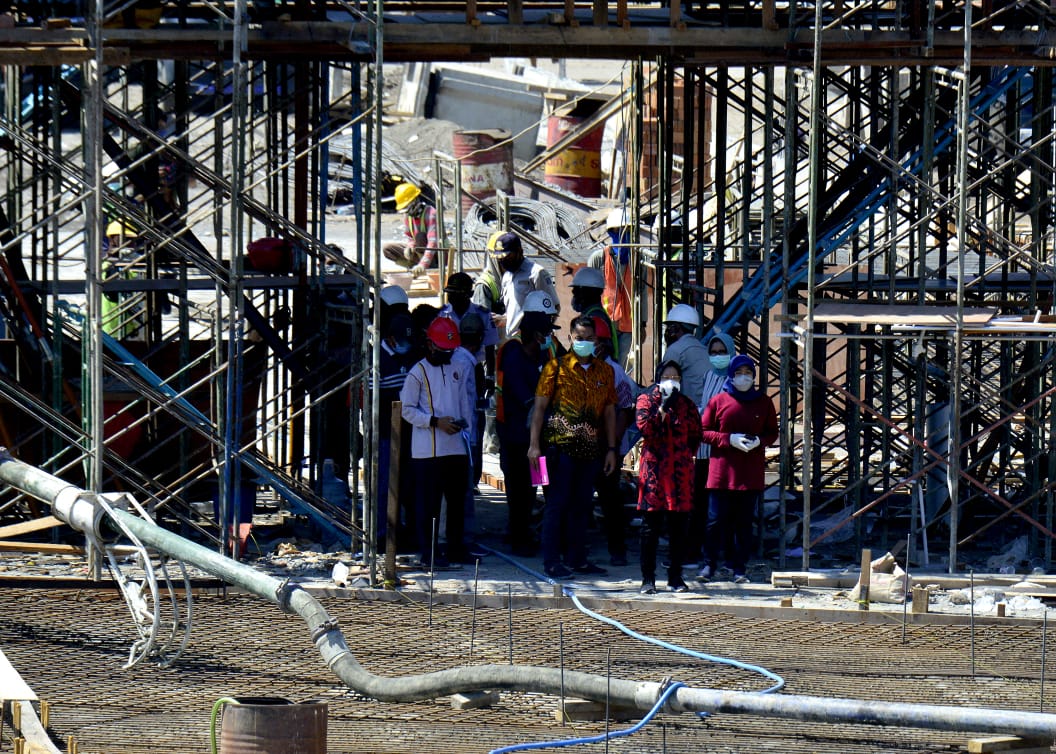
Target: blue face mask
402	348
720	360
547	343
583	348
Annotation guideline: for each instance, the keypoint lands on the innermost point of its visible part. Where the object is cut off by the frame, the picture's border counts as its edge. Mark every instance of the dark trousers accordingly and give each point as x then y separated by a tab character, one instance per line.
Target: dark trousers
611	500
653	523
698	521
569	503
520	494
730	517
437	479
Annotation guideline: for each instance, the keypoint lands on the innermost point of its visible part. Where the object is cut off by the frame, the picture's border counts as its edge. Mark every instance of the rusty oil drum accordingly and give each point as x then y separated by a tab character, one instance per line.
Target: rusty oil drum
272	725
578	168
487	163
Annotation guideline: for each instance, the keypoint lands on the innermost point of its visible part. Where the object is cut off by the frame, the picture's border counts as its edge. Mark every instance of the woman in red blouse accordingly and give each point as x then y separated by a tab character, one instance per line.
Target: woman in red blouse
739	423
670	427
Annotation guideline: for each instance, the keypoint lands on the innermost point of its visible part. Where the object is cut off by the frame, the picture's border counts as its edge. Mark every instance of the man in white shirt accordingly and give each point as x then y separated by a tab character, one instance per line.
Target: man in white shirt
520	277
437	405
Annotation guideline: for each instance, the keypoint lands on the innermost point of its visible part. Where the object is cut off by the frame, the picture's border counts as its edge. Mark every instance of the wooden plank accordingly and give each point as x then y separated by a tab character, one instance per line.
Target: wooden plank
25	527
1006	743
55	549
899	314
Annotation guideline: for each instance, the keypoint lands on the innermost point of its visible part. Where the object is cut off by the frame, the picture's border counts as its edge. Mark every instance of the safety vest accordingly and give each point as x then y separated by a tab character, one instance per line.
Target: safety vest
617	302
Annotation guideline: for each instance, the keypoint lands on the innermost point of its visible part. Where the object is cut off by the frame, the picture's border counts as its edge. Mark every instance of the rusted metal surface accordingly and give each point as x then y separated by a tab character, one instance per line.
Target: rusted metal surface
69	645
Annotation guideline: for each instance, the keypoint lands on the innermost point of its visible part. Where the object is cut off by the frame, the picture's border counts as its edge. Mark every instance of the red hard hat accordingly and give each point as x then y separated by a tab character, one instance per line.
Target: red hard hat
601	328
443	333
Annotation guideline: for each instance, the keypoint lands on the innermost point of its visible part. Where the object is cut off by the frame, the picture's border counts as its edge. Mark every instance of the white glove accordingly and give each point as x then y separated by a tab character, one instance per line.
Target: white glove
744	442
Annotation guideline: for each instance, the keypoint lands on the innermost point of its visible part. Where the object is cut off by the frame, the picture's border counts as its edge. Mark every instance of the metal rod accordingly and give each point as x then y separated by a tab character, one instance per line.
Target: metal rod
473	609
905	601
971	616
561	658
509	602
432	569
1044	640
608	693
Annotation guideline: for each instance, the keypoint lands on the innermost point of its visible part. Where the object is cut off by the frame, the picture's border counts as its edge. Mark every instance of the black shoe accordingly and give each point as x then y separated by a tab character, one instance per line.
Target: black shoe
589	569
648	587
618	560
678	586
558	572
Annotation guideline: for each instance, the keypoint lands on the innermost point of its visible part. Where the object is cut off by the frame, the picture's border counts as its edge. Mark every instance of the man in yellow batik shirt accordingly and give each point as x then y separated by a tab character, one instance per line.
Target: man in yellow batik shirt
574	427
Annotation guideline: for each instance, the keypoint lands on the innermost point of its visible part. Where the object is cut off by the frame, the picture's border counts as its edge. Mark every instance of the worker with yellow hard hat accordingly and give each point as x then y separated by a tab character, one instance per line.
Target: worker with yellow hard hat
417	250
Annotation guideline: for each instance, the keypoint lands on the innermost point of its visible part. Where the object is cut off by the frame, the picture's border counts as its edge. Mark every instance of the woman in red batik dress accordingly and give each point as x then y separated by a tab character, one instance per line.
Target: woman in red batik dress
670	427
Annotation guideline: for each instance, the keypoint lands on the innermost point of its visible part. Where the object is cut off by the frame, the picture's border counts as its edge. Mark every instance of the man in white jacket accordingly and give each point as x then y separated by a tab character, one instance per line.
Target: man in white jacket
436	403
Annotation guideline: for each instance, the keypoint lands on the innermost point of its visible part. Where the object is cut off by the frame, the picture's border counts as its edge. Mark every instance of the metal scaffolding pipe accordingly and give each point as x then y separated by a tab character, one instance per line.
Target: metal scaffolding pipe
329	640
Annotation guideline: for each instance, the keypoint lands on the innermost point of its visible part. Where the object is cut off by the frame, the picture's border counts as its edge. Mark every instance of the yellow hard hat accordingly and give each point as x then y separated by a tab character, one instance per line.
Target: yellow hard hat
405	194
117	228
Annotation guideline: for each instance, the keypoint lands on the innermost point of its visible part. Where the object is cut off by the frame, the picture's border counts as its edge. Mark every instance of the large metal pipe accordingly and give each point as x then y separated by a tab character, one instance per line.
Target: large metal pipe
641	695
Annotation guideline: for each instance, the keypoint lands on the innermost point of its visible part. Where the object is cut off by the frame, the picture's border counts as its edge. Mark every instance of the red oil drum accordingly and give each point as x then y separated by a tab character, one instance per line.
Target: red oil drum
272	725
578	168
487	163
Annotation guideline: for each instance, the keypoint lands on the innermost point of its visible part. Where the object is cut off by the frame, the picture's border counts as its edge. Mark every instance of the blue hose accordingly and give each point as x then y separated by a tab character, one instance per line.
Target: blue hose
596	739
779	682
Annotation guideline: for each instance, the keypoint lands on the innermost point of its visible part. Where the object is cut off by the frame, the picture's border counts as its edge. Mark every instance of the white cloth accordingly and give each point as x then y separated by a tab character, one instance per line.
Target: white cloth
436	391
516	285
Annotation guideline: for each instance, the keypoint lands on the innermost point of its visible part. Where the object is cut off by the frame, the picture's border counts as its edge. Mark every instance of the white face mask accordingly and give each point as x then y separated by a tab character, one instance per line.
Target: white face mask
669	386
743	382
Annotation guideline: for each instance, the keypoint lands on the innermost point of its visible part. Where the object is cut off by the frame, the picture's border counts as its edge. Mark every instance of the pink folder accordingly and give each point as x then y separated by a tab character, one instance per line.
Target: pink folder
538	474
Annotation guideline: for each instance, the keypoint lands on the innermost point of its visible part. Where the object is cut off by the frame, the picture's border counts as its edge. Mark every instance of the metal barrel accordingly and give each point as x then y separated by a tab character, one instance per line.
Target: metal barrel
272	725
578	168
487	163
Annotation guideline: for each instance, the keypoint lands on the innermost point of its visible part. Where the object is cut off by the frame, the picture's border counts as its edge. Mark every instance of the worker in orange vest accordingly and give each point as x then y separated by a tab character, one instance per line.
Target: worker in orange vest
614	262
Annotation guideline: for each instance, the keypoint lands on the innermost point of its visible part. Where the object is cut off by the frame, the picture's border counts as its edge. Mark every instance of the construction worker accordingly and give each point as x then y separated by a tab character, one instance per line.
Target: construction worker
615	263
398	356
437	405
520	276
123	314
588	285
487	288
393	301
417	250
459	290
517	367
542	303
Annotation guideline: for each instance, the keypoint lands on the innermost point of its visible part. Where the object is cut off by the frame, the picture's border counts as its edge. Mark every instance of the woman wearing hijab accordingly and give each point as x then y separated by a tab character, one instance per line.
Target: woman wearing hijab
670	428
720	350
738	423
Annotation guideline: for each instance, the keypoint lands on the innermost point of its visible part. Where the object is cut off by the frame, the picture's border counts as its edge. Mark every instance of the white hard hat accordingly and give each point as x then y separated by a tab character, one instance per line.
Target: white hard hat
683	314
588	277
540	301
393	294
618	218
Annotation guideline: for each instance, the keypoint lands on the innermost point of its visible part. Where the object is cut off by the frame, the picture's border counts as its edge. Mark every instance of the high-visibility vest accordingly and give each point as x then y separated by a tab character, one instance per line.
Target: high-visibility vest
500	375
617	302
